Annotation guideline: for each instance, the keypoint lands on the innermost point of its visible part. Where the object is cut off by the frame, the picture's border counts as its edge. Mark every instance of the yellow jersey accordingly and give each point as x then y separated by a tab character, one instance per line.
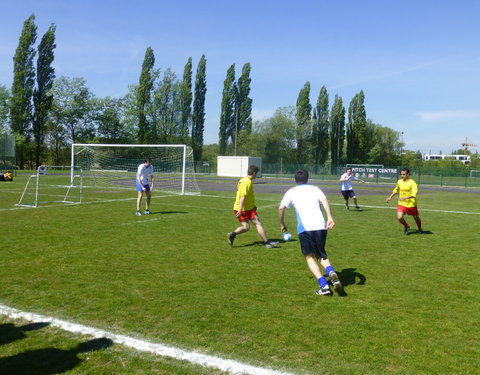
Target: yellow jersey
245	189
406	188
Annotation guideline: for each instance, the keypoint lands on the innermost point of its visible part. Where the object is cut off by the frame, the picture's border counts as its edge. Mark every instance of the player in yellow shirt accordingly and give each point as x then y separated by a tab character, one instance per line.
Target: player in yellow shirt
407	201
7	176
245	209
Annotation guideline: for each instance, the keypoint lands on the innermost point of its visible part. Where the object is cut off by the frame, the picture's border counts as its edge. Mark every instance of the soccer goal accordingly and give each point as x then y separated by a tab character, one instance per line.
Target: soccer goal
114	166
53	184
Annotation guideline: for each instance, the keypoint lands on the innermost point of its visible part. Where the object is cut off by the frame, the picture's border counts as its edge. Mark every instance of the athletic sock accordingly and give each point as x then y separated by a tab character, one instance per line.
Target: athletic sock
322	281
329	270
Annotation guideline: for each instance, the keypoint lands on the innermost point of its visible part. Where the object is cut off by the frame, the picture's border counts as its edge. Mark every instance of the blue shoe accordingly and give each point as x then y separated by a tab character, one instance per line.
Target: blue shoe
147	212
138	213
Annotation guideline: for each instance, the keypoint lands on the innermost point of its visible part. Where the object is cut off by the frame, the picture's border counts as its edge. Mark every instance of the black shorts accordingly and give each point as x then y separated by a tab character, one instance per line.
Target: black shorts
348	194
313	242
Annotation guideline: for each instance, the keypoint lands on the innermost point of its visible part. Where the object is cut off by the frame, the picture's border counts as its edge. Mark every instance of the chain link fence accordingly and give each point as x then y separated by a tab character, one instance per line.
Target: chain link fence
7	152
452	176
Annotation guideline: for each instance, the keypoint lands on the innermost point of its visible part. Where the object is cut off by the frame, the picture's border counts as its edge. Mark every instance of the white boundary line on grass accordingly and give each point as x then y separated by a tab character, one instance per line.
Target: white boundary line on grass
231	366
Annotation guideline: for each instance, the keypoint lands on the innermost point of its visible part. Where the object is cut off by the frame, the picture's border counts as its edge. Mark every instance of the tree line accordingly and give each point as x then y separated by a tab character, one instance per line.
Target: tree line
305	134
47	114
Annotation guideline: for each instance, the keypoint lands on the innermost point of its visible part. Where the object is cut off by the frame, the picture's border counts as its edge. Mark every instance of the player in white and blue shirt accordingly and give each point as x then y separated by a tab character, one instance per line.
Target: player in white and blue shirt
144	172
347	189
311	227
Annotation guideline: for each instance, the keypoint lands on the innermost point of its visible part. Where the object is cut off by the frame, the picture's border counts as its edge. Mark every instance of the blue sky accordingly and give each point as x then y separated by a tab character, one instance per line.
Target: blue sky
416	61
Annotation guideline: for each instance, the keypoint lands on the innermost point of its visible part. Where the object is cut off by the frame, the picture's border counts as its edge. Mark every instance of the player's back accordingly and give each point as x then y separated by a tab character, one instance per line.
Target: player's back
307	201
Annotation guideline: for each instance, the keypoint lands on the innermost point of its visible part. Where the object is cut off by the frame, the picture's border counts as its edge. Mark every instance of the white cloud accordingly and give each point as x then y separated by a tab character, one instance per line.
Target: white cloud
449	115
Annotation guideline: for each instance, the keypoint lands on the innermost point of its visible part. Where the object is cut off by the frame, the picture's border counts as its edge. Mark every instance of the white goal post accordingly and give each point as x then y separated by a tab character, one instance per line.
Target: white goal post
114	166
474	173
53	184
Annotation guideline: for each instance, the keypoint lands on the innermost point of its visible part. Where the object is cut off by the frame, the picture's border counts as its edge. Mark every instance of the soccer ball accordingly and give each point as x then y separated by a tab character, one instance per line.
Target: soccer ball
286	236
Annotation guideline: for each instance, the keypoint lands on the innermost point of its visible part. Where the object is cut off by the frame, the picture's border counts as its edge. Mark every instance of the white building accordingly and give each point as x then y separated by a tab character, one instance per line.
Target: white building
465	159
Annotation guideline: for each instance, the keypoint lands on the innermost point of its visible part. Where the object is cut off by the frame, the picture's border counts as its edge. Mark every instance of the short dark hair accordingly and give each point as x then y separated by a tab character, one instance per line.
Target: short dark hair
406	170
148	159
301	176
252	169
349	168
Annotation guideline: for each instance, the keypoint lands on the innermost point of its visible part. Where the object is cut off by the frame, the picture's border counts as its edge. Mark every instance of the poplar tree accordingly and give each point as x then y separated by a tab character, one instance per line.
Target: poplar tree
22	86
243	103
144	90
227	114
357	137
4	108
42	96
303	123
337	131
321	127
198	118
186	98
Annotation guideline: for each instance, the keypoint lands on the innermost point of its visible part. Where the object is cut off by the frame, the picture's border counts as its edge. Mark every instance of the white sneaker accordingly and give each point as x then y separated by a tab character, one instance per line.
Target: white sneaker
324	291
271	244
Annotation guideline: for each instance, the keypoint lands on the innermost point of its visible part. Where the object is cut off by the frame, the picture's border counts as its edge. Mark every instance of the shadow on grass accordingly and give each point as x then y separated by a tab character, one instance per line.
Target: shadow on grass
261	243
50	360
168	212
349	276
424	232
10	333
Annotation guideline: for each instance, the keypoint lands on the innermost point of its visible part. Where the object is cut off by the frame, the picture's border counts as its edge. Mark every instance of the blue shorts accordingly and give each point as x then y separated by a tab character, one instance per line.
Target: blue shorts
139	187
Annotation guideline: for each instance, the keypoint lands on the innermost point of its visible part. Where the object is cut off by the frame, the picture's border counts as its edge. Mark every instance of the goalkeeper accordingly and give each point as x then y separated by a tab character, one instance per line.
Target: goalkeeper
143	172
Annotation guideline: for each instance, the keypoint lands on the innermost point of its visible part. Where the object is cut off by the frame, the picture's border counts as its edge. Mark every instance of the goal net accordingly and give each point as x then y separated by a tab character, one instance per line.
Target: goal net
113	166
53	184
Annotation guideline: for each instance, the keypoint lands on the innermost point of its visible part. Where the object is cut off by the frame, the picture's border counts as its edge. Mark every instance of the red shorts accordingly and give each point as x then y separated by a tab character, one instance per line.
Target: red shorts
246	215
407	210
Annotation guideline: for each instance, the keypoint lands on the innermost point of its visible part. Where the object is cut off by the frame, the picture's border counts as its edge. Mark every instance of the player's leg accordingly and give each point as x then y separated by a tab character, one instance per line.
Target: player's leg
261	231
321	239
312	264
139	202
401	219
419	223
355	201
309	242
149	198
346	196
244	227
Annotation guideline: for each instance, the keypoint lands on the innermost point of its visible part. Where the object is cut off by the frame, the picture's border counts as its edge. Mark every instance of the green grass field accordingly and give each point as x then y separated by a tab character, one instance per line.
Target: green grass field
412	303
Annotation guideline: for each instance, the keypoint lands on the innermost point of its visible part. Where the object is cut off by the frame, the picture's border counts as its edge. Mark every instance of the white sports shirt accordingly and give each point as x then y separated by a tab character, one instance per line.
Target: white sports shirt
144	172
347	185
307	201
